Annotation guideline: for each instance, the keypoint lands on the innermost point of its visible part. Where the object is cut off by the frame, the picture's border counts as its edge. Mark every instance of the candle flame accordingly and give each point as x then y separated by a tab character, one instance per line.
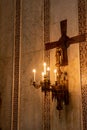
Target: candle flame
48	68
44	64
34	70
55	71
42	73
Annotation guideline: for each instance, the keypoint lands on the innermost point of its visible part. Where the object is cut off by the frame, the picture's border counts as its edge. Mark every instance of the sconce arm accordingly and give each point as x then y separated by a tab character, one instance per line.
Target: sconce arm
36	85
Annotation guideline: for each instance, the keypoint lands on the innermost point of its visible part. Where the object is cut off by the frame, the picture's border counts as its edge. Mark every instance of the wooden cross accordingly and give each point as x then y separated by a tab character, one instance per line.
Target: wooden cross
64	42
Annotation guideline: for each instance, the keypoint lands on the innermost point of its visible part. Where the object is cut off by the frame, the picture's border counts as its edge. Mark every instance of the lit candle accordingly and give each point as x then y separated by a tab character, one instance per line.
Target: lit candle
42	76
55	72
48	71
44	68
34	71
48	68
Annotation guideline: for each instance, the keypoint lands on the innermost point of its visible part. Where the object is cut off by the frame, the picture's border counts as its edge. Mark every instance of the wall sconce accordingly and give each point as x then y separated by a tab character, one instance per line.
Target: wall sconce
60	87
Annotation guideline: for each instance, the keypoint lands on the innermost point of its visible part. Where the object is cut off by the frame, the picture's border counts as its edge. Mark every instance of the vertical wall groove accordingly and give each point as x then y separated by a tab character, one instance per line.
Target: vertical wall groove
82	5
46	102
16	67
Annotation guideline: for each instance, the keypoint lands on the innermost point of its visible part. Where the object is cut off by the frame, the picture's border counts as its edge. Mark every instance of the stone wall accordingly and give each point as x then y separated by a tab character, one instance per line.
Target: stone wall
6	61
71	115
32	53
31	57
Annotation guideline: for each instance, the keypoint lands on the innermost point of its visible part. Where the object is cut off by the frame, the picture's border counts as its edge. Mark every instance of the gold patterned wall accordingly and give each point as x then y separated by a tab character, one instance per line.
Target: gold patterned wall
82	15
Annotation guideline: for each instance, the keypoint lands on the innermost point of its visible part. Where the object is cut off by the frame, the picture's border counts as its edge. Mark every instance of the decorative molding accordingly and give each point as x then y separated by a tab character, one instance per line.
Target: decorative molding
82	19
46	97
15	98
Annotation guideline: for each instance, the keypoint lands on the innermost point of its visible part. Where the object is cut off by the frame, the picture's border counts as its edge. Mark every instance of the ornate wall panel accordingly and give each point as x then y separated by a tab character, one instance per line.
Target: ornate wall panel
46	98
82	15
16	67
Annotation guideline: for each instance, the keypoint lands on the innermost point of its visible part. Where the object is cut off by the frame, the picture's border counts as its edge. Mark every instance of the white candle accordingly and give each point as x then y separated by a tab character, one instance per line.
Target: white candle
34	71
44	68
55	72
42	76
48	68
48	71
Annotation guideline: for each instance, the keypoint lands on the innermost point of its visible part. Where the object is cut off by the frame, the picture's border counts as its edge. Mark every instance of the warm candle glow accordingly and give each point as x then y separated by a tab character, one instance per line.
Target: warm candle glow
48	68
44	68
34	71
55	72
42	76
48	72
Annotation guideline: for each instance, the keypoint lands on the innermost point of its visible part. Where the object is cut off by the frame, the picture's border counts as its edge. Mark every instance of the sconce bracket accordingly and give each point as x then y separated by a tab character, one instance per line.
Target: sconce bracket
59	92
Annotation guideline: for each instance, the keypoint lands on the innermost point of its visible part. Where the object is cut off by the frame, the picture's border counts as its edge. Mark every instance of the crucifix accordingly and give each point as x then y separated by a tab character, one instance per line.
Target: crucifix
63	43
